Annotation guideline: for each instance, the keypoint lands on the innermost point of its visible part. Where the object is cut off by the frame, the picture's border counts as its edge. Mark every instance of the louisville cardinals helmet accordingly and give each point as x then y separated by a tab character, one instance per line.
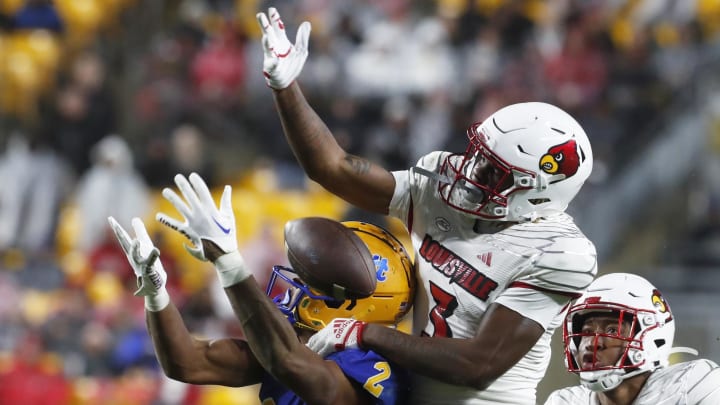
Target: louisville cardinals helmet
389	303
525	161
633	300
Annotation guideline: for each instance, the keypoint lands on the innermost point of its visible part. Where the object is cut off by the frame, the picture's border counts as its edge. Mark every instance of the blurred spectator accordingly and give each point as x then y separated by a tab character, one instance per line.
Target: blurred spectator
35	182
112	186
577	75
38	14
83	111
218	71
185	151
6	22
34	377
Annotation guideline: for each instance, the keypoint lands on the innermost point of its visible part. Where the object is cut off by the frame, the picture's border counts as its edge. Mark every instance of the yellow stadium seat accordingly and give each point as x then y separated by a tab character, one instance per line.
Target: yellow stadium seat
82	20
10	7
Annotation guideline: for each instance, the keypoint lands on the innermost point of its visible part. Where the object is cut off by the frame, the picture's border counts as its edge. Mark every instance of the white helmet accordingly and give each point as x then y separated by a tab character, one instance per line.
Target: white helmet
632	299
535	157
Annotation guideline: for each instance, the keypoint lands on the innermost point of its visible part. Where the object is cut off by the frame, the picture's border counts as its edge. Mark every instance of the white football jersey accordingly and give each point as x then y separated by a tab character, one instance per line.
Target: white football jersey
464	265
692	383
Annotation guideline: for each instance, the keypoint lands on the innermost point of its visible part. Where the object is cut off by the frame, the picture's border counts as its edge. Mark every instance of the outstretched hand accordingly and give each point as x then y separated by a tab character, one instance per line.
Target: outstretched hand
210	229
282	61
204	221
144	258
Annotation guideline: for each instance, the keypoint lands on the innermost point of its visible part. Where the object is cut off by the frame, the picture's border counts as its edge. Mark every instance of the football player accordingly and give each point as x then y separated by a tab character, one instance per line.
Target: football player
497	257
273	352
618	338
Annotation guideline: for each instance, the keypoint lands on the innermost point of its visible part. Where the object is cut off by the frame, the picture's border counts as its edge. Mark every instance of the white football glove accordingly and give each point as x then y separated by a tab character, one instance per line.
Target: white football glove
340	334
144	258
282	61
204	221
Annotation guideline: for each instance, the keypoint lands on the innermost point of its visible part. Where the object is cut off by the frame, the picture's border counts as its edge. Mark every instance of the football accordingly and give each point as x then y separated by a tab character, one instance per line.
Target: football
330	258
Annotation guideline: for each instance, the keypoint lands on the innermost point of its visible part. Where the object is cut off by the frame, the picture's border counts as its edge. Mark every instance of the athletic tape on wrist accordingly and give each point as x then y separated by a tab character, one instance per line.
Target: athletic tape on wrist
360	330
157	302
231	269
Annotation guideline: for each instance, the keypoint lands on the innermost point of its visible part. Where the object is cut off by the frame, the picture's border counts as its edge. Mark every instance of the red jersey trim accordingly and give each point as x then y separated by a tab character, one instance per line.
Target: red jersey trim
520	284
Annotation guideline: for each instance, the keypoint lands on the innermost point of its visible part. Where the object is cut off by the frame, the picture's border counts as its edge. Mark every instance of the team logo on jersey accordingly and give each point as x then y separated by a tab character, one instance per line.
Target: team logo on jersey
443	224
456	269
561	159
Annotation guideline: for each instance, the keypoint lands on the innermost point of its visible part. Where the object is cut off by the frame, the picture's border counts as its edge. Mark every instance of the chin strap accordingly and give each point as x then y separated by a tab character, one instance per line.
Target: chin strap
611	381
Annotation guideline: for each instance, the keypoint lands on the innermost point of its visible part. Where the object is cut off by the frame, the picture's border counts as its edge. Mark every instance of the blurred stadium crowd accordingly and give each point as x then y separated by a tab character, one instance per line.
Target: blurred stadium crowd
103	101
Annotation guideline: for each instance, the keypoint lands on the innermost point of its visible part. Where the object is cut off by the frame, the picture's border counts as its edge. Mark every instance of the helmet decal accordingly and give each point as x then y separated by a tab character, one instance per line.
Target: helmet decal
659	302
561	159
381	266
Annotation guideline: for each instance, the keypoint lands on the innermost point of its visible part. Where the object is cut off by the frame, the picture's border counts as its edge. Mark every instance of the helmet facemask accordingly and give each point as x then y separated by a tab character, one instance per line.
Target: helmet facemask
482	181
297	294
618	331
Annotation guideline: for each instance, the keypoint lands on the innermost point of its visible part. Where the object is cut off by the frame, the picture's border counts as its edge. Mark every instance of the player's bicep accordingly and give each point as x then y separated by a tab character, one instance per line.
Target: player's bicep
228	362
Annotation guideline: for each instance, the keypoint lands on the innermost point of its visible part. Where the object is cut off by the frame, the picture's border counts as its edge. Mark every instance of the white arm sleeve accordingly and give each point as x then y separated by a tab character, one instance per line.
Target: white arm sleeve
541	307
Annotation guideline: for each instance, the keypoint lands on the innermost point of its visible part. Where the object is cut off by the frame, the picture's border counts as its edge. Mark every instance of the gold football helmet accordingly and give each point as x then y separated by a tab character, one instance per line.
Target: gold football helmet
307	308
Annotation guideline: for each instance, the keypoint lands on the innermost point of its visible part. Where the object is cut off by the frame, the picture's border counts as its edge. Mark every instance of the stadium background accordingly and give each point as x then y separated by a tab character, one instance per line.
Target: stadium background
103	101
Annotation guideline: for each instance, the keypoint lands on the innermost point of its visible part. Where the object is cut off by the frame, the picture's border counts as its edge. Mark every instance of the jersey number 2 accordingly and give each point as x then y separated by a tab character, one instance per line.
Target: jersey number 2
373	384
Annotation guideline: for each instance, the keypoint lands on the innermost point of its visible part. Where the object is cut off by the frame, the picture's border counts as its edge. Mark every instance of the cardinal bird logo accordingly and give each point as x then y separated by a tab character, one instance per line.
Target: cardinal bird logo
659	302
561	159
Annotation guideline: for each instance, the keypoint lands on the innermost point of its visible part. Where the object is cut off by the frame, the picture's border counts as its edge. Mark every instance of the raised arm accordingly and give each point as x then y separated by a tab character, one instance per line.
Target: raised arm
354	179
475	362
270	336
182	356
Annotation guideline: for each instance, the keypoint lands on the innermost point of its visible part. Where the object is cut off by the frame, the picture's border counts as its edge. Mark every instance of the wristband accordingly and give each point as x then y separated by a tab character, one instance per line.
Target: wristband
231	269
157	302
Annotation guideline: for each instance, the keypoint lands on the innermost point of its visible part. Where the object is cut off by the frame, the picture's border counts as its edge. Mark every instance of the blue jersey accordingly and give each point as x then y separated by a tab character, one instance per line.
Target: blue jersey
387	383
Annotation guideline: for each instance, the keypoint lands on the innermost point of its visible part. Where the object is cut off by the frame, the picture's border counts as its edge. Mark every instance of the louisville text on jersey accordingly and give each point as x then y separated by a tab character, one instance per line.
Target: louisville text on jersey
456	269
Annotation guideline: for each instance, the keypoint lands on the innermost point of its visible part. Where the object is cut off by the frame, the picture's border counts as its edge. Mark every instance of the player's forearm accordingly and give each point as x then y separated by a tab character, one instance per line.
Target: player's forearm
354	179
174	346
270	336
312	142
448	360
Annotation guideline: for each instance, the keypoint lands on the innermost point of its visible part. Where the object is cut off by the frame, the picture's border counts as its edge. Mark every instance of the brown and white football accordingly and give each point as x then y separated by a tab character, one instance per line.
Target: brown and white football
330	258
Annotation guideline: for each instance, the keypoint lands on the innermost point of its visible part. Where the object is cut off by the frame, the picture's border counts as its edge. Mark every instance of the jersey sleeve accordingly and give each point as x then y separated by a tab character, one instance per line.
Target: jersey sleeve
381	379
707	389
561	272
570	396
567	267
410	183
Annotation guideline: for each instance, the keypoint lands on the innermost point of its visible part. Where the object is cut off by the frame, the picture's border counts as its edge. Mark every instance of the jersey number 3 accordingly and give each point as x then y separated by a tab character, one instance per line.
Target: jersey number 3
445	305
